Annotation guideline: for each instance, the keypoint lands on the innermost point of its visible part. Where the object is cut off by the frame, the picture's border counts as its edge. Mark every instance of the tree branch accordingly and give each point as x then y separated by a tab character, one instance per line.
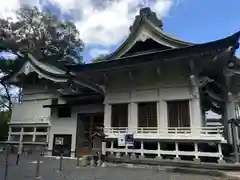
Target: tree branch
8	95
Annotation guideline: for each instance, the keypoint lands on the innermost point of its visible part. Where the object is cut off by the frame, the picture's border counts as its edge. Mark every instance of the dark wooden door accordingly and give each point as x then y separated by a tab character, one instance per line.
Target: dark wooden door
85	127
62	144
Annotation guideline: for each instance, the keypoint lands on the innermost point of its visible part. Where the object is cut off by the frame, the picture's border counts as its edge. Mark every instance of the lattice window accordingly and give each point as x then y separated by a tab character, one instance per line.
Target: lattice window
147	114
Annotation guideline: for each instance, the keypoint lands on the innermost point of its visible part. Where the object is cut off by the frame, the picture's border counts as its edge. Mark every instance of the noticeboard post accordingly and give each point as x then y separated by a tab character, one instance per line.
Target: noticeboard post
129	140
126	140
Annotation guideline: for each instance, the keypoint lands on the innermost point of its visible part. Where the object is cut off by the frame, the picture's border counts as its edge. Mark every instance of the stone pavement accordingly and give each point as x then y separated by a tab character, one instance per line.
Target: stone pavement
233	175
49	171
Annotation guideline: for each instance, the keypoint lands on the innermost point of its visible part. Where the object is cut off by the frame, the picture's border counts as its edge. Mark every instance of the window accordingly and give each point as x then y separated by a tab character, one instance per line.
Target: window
15	138
54	101
27	138
64	112
147	114
28	129
119	115
16	129
178	113
41	129
40	138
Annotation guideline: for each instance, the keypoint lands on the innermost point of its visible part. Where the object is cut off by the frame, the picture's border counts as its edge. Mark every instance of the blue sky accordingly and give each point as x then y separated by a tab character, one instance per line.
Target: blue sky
203	20
103	26
200	21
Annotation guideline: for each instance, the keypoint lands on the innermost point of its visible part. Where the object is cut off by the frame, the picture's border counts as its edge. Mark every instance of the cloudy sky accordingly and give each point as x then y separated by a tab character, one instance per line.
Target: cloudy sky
103	24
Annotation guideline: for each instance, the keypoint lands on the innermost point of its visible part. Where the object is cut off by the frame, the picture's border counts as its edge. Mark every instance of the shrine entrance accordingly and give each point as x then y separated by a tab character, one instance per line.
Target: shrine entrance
86	125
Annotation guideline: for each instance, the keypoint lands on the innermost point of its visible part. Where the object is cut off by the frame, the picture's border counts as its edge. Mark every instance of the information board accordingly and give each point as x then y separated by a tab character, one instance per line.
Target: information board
126	140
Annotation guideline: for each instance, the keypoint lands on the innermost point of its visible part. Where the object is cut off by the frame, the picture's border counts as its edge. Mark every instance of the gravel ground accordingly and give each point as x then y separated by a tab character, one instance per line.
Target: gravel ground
49	171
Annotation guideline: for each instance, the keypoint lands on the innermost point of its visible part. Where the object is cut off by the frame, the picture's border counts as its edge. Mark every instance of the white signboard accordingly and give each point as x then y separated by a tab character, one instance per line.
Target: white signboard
59	141
121	141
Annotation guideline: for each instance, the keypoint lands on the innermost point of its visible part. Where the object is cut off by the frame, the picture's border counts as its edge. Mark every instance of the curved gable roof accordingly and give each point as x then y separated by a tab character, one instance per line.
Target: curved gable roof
147	24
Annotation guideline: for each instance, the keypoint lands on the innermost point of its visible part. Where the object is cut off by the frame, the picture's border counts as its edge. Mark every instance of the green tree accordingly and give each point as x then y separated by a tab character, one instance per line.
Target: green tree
42	34
99	58
4	118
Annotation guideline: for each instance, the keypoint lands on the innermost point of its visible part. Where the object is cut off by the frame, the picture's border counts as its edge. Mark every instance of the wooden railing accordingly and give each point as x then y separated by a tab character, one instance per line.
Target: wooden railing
170	130
27	120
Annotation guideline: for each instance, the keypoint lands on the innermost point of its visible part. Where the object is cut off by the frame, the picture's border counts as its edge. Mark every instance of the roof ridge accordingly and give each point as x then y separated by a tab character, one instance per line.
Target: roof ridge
148	14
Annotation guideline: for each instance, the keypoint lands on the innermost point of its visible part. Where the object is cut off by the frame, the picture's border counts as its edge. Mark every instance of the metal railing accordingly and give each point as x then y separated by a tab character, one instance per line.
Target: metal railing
19	151
26	155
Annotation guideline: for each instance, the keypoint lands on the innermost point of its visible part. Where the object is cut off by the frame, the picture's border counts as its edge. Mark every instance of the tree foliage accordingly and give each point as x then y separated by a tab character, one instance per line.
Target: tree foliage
42	34
99	58
4	118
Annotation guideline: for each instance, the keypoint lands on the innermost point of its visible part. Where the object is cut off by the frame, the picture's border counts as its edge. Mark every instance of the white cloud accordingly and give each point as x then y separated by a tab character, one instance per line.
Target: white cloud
103	22
95	52
9	7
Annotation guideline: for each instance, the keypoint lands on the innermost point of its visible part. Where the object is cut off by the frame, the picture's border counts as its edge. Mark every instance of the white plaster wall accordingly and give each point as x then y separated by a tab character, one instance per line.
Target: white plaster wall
30	111
31	108
147	86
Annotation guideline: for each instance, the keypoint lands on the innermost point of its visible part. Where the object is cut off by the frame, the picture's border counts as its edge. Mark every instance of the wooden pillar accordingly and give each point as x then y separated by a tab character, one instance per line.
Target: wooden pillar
158	116
111	147
159	149
133	117
176	150
9	133
34	134
21	135
107	115
142	149
229	114
220	160
195	107
162	114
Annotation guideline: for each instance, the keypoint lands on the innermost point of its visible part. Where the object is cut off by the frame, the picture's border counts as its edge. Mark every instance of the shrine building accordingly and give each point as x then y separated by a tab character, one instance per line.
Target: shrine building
154	86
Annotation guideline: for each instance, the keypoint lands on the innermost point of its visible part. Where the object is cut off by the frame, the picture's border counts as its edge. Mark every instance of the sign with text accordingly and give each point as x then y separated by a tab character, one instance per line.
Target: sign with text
59	141
129	140
121	141
126	140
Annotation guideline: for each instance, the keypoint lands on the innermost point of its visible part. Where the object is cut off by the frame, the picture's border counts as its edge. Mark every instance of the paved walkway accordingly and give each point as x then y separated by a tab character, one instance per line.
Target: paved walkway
49	171
233	174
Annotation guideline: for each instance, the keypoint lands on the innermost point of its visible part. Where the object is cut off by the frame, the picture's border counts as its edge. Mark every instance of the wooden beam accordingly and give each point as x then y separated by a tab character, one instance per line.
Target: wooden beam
214	95
158	71
194	73
130	76
106	78
204	81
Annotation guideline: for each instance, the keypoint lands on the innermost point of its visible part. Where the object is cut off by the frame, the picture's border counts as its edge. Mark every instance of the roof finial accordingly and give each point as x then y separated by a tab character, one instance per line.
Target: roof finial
148	14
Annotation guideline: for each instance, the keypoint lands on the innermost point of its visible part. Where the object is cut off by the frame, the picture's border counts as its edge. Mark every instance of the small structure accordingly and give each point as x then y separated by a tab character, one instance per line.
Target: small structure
154	86
98	140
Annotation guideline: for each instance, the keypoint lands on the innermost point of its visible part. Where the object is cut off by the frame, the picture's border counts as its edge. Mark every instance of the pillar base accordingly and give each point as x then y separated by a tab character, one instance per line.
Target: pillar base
141	158
177	159
111	156
104	164
85	161
158	158
125	156
99	163
118	155
92	162
221	161
197	160
133	156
